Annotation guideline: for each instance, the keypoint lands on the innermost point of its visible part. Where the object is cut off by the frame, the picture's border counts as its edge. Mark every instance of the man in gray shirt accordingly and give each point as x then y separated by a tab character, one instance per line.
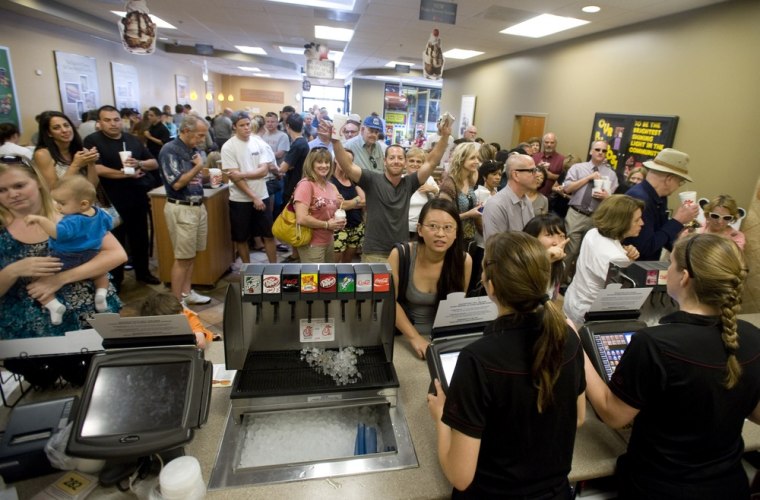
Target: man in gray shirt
388	193
510	209
221	125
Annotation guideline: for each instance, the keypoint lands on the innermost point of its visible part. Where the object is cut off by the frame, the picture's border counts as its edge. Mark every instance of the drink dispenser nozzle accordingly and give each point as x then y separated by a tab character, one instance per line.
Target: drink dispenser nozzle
272	287
346	286
251	283
381	286
363	286
309	286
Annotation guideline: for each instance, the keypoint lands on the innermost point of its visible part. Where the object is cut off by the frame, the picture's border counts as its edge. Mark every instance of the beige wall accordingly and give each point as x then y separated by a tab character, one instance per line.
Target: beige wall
367	96
288	88
701	66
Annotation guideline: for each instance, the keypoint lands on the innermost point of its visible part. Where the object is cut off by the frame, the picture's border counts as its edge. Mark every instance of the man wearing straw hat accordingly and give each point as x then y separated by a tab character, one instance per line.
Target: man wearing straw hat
666	173
126	187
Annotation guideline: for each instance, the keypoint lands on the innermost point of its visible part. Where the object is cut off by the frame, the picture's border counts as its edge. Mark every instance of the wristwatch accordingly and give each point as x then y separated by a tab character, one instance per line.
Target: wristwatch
139	163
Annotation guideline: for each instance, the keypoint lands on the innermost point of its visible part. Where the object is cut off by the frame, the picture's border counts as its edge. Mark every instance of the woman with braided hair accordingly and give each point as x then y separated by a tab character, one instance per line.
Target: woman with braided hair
506	427
688	384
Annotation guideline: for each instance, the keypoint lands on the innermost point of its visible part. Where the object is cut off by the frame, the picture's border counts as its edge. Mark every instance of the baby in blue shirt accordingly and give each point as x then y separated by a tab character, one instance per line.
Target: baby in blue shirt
77	237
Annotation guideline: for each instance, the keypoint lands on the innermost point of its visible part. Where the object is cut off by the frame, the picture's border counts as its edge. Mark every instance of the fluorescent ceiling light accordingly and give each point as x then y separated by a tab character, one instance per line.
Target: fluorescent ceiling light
330	33
591	9
291	50
251	50
393	64
261	75
160	23
325	4
461	53
543	25
248	68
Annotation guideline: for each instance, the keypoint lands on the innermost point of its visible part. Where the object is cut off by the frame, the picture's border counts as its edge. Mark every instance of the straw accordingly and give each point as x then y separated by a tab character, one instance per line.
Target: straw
124	145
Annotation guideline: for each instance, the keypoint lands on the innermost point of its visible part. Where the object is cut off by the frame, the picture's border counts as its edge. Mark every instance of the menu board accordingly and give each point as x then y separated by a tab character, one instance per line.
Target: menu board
633	139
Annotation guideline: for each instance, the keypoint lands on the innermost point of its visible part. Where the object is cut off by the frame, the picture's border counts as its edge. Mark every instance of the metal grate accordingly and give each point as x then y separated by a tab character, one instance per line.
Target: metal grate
282	373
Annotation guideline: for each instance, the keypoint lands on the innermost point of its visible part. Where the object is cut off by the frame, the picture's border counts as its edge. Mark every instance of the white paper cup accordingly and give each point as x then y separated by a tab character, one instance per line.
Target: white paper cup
339	121
125	155
598	184
606	184
215	177
340	214
128	170
688	197
181	479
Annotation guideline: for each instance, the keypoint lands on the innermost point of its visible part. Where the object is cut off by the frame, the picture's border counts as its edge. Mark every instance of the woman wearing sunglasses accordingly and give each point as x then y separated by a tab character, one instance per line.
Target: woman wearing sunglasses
688	383
719	214
425	272
28	276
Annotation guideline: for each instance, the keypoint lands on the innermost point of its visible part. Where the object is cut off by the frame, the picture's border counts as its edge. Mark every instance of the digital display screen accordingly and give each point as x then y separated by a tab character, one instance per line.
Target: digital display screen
137	398
611	347
448	363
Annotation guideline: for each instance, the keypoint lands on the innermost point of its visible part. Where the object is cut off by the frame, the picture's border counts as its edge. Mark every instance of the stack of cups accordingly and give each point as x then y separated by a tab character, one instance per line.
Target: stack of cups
688	197
181	479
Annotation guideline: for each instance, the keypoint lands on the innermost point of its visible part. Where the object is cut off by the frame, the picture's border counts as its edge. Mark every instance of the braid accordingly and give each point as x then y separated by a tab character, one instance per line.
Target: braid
729	335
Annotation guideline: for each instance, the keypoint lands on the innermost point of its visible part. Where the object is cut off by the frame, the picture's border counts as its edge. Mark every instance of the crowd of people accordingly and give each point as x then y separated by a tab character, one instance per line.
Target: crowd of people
534	230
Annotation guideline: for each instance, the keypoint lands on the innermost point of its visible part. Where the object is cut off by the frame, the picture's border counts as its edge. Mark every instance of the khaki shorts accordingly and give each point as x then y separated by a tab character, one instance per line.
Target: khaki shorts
316	255
375	257
188	229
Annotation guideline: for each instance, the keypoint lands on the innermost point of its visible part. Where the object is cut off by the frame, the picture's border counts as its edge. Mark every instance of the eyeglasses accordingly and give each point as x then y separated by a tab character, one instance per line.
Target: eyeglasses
714	216
446	228
533	170
600	150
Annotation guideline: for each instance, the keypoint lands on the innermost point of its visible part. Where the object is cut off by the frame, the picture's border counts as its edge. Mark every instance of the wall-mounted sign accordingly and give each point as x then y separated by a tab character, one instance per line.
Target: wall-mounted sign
437	11
323	70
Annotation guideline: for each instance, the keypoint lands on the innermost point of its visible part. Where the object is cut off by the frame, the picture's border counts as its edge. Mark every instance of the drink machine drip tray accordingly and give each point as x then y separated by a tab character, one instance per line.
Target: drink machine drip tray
307	443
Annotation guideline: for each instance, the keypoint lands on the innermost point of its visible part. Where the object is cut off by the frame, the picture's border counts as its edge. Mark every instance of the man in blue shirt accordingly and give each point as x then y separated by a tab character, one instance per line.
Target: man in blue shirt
186	219
666	173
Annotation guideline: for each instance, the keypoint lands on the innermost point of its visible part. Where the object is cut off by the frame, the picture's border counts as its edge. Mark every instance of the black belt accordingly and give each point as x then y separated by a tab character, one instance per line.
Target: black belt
183	202
587	213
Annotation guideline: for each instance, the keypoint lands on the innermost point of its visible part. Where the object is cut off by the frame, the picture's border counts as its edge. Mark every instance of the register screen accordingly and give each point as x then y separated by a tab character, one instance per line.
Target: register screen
449	362
611	347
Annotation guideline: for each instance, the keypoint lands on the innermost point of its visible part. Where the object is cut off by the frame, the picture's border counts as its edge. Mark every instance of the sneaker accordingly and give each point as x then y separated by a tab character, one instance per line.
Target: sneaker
195	298
282	248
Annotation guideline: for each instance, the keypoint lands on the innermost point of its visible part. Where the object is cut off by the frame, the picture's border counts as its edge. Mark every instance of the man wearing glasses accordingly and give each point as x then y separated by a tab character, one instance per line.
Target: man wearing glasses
585	197
510	209
666	173
368	153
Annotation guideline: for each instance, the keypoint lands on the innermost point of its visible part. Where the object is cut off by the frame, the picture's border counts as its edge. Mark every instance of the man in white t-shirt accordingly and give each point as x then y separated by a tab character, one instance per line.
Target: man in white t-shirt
247	160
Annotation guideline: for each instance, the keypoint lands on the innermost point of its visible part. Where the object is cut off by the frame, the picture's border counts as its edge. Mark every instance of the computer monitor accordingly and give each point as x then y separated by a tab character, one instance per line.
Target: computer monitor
606	341
137	402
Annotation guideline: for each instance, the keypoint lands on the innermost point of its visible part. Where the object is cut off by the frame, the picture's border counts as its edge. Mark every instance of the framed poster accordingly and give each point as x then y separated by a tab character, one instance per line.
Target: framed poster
633	139
9	111
183	89
467	113
77	84
210	103
126	86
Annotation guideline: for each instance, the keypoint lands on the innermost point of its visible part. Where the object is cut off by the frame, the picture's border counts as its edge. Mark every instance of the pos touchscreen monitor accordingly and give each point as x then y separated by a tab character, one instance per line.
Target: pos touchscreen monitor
141	401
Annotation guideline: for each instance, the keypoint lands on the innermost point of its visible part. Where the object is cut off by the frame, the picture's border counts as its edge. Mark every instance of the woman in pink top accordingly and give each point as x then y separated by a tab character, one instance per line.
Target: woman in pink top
719	213
316	200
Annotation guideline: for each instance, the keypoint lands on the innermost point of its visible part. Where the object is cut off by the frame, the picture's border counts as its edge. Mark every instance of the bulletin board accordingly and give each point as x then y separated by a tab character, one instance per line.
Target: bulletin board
9	111
77	83
633	139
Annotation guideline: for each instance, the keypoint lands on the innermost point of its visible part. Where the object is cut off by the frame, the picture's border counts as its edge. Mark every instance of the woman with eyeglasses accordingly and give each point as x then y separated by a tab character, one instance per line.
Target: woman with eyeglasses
60	151
720	213
426	271
688	383
459	186
618	217
28	276
506	427
316	200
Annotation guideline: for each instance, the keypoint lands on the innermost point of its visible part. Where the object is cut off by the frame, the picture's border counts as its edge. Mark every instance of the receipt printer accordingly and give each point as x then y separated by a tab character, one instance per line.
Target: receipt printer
22	448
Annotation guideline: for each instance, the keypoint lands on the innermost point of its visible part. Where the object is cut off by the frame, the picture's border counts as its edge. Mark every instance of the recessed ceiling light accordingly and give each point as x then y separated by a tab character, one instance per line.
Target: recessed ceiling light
325	4
245	49
330	33
461	53
291	50
393	64
543	25
160	23
261	75
248	68
591	9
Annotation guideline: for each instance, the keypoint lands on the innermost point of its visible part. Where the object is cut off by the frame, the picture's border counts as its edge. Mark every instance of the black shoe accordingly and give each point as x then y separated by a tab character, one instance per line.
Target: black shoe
149	279
283	248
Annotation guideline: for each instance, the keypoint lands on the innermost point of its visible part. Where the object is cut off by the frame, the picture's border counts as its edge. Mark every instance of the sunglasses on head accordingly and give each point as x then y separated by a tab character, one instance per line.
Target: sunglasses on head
714	216
15	160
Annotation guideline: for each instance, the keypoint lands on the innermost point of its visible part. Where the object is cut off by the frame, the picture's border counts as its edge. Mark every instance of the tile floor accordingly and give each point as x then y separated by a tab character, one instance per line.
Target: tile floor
133	293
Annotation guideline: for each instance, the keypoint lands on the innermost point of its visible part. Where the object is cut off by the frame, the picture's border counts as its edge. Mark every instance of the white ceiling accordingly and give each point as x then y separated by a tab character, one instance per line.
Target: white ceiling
385	30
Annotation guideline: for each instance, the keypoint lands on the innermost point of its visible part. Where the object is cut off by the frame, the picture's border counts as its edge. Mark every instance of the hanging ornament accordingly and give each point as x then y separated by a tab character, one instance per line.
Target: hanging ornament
432	58
137	30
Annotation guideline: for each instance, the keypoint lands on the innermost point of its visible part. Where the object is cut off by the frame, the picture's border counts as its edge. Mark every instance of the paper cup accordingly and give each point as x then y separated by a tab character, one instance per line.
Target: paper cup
606	184
215	177
598	184
125	155
688	197
339	121
340	214
128	170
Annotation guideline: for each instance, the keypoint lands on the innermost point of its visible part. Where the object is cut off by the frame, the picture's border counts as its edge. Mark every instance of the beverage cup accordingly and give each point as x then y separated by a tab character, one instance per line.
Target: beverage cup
215	177
339	121
688	197
125	155
598	185
128	170
225	176
340	214
606	185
